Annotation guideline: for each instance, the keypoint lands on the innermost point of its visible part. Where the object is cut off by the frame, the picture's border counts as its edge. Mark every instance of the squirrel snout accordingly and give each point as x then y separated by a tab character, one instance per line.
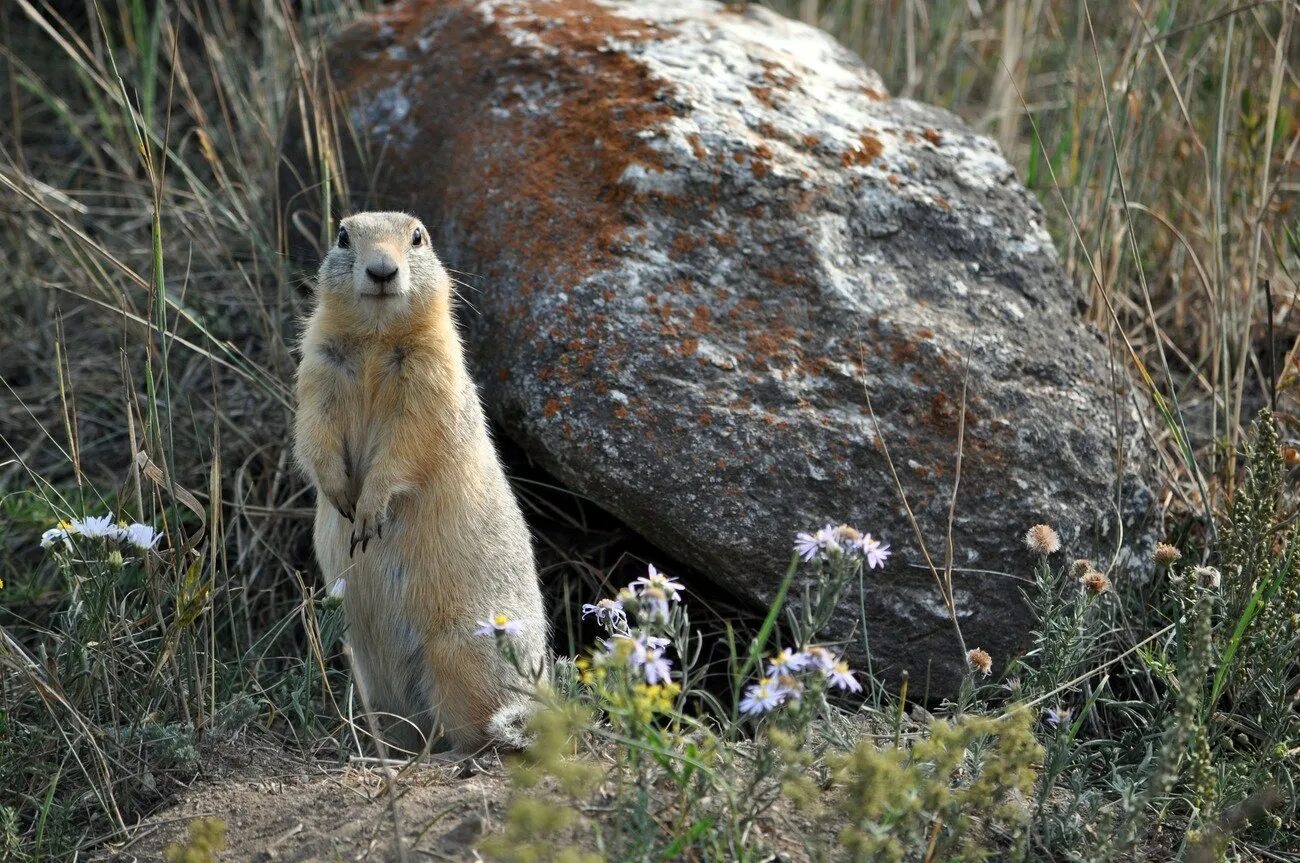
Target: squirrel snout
381	272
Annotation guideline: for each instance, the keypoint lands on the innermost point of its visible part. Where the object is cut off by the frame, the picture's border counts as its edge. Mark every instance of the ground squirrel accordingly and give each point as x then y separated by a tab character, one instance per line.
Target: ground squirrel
413	508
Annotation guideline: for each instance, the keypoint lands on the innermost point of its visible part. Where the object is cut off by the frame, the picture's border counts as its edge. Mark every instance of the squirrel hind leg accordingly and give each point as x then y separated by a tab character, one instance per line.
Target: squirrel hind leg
509	726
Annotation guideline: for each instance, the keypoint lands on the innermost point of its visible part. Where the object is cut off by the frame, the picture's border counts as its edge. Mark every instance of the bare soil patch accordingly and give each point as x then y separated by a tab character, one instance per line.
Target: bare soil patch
278	809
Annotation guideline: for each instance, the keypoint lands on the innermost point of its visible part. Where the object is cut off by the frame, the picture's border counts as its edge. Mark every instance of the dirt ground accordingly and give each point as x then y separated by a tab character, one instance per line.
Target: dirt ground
278	809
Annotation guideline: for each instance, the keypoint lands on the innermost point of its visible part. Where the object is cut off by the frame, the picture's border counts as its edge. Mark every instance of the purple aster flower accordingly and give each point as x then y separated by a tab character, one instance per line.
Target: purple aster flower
655	667
762	697
609	612
1055	716
787	661
875	552
655	579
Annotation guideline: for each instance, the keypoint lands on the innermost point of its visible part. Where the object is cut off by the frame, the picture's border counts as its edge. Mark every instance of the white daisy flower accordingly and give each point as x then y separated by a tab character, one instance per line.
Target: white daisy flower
499	624
96	527
53	535
142	536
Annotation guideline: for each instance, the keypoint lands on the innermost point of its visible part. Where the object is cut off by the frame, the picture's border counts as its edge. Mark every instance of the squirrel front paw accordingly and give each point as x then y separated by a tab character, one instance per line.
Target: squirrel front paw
334	485
369	523
339	497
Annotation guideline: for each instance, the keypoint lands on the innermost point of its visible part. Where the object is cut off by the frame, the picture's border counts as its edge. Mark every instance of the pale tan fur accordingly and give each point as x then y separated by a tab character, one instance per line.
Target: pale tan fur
413	507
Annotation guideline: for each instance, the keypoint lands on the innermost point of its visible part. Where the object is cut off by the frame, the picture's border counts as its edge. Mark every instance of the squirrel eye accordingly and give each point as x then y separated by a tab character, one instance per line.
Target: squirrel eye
417	237
345	241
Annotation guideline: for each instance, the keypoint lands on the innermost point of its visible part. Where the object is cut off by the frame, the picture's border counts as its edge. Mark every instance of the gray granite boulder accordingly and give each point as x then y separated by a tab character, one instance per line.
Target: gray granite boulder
699	239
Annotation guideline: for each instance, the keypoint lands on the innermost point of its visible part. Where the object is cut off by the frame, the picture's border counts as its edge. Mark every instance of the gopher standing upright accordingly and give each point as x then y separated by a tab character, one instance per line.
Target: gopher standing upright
413	508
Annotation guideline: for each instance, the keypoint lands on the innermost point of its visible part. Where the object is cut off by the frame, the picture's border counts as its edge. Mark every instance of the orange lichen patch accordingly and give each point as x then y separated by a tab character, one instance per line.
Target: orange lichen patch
552	407
621	411
810	141
557	171
868	149
933	136
697	146
776	73
873	93
784	277
686	242
764	95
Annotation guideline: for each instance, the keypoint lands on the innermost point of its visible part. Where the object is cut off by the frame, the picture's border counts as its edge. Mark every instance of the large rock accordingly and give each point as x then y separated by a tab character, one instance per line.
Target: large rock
700	238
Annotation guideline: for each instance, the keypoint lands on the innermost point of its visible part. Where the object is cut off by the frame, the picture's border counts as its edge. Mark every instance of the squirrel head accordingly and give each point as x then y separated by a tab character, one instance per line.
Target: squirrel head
381	266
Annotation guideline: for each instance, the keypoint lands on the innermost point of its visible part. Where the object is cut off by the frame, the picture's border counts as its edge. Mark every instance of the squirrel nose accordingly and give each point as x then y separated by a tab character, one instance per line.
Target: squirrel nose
382	273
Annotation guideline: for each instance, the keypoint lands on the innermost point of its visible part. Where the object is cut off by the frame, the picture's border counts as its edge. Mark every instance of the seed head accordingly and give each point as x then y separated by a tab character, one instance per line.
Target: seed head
1041	539
1080	568
1207	576
979	661
1095	582
1165	554
847	536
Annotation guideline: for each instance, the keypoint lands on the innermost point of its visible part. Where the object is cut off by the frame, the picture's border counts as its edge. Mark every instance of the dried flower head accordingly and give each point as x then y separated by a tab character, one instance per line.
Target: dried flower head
1080	568
1207	576
846	535
1095	582
1042	539
979	661
1166	554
